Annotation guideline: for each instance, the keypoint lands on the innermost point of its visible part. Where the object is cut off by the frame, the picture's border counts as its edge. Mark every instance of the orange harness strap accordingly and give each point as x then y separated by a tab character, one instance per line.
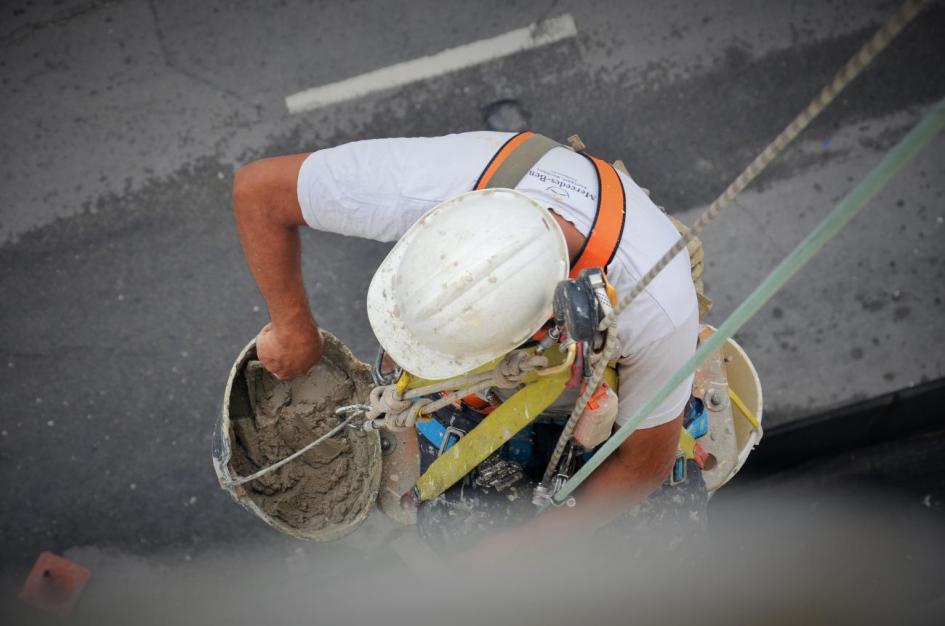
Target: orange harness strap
599	247
601	244
504	152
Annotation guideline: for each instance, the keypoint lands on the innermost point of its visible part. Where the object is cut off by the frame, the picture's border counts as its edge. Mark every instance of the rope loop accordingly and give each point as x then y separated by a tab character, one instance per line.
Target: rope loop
514	366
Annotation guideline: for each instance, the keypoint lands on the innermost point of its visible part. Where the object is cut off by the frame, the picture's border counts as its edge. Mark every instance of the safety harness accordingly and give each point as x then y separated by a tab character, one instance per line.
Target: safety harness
520	153
459	455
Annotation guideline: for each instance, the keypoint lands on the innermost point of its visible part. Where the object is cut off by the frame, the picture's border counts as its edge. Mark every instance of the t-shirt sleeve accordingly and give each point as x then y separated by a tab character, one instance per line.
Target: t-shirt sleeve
377	188
646	370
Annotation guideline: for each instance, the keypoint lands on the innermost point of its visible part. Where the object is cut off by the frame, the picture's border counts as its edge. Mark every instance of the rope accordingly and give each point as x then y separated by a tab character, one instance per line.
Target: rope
509	372
832	224
400	413
850	71
611	348
451	384
245	479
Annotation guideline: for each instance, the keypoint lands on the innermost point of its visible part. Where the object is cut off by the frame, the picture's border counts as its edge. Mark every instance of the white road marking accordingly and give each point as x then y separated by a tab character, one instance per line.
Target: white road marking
451	60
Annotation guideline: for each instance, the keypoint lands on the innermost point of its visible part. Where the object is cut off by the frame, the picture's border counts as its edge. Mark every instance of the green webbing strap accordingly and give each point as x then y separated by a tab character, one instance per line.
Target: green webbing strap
833	223
517	164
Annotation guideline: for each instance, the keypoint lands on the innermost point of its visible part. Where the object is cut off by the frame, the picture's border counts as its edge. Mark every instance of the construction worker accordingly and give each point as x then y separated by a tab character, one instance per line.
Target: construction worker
378	189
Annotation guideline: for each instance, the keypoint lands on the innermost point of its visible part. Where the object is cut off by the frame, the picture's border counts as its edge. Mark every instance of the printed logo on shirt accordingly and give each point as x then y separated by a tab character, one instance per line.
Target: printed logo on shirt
561	184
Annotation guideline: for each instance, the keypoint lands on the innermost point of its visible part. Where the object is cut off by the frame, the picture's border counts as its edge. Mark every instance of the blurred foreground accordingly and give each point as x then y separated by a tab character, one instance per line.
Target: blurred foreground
781	554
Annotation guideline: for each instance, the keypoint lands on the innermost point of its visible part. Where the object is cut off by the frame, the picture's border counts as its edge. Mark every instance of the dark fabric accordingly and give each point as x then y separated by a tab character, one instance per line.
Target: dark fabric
463	515
671	520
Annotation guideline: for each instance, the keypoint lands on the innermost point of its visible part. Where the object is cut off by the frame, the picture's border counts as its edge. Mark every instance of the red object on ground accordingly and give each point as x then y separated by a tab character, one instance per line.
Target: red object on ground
54	584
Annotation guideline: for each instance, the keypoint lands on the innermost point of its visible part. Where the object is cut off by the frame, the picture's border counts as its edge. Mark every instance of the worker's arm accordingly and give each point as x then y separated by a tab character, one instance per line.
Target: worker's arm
635	469
638	466
267	212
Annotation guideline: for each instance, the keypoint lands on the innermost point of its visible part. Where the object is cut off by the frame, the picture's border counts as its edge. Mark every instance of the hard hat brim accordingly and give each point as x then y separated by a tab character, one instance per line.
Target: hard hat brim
397	340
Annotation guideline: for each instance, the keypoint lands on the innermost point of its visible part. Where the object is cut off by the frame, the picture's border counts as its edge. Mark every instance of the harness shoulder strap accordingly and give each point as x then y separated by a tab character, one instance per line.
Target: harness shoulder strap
601	243
513	160
520	153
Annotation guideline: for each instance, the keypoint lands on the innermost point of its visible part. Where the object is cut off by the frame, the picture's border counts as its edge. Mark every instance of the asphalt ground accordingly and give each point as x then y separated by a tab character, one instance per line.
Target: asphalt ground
126	296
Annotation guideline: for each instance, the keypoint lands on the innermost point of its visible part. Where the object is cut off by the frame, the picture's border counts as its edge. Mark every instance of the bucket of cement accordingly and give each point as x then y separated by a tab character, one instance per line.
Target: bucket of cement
327	492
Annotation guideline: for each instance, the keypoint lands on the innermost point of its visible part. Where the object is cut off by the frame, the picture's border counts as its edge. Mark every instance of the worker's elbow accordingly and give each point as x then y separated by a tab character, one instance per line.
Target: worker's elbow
649	477
266	190
249	188
649	454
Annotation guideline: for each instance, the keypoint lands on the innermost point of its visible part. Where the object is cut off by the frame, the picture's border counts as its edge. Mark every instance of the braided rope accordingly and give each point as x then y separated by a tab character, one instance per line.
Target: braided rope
611	348
844	77
401	413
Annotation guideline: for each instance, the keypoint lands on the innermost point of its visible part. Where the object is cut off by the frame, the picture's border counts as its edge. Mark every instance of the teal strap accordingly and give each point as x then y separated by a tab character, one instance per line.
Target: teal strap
833	223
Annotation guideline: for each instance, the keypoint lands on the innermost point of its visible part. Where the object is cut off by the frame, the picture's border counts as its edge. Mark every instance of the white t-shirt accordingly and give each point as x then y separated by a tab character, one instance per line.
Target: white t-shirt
378	188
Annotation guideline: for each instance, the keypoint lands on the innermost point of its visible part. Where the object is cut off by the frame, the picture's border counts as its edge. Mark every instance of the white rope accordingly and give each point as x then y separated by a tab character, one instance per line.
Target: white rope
401	413
331	433
452	384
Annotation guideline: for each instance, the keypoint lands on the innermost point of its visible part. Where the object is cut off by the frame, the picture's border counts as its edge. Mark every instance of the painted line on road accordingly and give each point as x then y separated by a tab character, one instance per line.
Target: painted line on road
450	60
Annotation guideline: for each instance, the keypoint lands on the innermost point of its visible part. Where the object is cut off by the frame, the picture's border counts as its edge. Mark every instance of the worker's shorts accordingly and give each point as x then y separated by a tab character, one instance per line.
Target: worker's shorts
671	519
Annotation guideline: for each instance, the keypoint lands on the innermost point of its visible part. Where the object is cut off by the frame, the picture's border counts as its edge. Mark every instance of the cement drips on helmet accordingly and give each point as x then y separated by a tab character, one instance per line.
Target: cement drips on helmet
332	486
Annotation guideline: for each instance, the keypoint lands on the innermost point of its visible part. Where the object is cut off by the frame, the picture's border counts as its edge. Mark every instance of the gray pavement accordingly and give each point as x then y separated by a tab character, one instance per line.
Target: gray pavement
864	317
127	297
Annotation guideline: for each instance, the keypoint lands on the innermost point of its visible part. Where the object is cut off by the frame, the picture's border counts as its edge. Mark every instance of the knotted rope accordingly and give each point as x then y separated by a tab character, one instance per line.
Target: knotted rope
400	413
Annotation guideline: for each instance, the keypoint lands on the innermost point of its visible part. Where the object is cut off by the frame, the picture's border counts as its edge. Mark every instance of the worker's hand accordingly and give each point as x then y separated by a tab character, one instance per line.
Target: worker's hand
289	353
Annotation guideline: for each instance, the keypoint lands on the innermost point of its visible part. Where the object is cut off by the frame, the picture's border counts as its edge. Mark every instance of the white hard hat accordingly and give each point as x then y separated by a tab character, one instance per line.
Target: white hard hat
469	281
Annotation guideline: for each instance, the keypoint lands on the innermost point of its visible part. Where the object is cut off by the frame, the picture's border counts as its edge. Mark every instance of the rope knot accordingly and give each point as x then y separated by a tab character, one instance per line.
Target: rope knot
399	413
509	372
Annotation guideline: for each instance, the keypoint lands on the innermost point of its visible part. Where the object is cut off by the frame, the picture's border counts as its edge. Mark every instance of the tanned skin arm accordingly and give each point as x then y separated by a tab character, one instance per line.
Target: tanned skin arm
267	212
635	469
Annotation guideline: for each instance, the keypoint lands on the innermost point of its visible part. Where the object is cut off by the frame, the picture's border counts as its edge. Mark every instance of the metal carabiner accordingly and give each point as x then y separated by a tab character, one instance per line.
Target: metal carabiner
380	377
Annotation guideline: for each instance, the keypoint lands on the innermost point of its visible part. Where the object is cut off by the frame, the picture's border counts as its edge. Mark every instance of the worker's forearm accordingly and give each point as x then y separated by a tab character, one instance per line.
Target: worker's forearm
267	216
273	253
632	473
614	488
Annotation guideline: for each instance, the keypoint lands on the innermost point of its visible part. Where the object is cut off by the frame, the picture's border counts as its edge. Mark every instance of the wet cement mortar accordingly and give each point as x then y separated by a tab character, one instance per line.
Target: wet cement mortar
330	488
